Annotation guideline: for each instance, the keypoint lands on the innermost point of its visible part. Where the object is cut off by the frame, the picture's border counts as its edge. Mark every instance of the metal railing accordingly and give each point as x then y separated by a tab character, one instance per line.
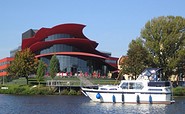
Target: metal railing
62	83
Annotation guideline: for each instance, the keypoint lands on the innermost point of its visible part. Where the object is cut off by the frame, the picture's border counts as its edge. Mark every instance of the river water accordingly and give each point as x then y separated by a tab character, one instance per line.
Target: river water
12	104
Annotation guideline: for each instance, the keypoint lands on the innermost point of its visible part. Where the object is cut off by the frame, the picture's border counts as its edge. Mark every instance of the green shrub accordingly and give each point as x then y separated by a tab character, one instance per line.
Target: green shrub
64	92
179	91
72	92
26	90
41	91
79	93
18	90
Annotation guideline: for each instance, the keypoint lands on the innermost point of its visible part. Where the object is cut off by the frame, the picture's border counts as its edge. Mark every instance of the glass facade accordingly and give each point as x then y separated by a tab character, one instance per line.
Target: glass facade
75	64
12	52
67	63
111	61
72	64
58	48
57	36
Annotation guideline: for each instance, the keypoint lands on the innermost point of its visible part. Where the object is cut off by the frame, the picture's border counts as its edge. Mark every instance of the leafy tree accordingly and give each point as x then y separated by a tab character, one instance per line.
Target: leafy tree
40	71
136	60
53	66
165	39
23	65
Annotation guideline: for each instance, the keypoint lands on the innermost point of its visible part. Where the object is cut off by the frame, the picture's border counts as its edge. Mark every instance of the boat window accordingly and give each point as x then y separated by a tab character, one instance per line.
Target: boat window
112	89
154	89
167	89
103	88
159	84
124	85
139	85
131	85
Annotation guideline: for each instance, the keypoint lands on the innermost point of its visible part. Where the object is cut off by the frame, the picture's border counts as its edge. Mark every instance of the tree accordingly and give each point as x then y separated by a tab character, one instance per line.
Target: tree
165	39
53	66
23	65
40	72
136	60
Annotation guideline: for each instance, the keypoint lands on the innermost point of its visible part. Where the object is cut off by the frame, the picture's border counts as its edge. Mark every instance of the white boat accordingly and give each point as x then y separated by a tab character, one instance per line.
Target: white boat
148	89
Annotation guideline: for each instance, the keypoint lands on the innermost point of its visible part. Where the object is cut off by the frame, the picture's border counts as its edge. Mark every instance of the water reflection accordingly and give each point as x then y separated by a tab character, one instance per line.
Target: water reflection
118	108
10	104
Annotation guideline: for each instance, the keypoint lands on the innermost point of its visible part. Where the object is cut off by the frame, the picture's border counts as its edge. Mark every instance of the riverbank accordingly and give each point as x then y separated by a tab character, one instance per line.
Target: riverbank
35	90
43	90
68	86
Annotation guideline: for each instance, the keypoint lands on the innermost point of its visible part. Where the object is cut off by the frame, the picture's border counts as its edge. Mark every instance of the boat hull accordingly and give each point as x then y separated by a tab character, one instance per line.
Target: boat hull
128	97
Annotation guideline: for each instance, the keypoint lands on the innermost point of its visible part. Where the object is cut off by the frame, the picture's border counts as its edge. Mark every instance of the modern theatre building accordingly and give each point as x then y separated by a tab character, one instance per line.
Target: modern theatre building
75	52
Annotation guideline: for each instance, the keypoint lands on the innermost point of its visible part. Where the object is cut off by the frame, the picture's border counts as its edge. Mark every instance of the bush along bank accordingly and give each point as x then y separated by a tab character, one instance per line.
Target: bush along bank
34	90
179	91
70	92
25	90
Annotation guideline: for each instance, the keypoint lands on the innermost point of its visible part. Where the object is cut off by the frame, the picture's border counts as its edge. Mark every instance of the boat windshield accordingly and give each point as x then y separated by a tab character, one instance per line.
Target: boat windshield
151	74
146	73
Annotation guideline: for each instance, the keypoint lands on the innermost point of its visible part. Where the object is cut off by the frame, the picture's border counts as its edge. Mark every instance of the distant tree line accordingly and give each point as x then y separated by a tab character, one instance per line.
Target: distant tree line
161	44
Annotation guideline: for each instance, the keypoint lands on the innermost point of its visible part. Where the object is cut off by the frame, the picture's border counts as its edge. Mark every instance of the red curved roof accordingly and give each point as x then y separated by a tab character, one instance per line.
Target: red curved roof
36	42
76	42
72	29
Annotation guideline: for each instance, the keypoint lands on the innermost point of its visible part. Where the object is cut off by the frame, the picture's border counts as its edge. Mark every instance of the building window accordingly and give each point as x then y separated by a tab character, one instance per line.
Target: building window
57	36
59	48
111	61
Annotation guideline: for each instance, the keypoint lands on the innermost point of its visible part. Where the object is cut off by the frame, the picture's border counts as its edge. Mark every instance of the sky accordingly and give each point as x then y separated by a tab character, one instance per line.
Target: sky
111	23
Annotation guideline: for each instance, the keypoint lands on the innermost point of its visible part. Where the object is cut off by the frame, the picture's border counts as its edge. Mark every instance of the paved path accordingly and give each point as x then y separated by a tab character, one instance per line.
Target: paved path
85	81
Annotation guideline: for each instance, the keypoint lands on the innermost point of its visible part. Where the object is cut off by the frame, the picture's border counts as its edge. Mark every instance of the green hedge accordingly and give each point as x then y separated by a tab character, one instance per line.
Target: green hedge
70	92
179	91
26	90
30	90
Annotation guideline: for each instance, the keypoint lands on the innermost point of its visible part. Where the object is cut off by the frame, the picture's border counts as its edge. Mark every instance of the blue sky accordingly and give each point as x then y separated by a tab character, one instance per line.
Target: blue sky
111	23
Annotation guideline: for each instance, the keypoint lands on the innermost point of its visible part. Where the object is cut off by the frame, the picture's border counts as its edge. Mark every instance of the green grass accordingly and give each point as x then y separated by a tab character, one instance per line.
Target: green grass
102	81
74	81
19	81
